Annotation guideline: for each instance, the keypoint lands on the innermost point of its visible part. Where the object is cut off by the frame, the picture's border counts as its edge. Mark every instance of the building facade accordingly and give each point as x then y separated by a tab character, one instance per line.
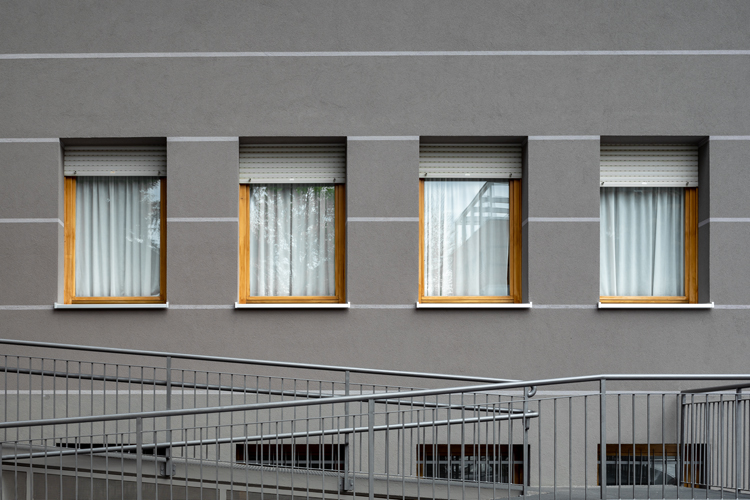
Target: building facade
558	79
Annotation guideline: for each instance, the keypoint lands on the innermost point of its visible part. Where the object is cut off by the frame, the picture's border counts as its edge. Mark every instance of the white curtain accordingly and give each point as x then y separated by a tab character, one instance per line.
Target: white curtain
642	238
292	236
117	236
466	228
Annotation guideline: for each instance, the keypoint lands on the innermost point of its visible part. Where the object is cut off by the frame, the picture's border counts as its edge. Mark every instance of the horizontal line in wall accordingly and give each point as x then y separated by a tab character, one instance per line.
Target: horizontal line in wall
383	138
201	306
564	137
565	306
33	139
382	306
203	139
203	219
382	219
723	219
394	53
563	219
730	137
26	308
31	221
352	306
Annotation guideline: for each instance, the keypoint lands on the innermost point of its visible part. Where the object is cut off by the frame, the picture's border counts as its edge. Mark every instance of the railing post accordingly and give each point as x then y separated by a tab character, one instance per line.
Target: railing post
168	451
345	478
371	447
526	425
139	458
603	438
737	442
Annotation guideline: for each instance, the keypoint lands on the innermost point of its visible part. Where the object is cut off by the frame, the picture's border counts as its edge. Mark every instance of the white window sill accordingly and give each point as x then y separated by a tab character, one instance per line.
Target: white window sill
111	306
472	305
297	305
709	305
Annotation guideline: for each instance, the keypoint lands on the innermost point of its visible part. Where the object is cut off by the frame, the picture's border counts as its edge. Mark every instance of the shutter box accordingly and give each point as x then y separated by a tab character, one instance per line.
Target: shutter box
148	161
480	161
649	165
292	163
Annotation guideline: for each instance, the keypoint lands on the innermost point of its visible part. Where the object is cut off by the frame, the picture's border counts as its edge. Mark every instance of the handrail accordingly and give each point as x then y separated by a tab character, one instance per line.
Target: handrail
268	437
373	397
717	388
259	362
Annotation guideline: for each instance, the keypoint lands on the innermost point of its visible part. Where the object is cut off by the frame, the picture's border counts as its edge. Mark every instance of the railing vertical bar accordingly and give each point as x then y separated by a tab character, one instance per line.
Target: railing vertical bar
218	452
371	448
525	479
738	442
554	448
168	403
435	458
278	456
138	459
649	469
663	449
618	472
539	448
463	446
347	389
693	455
259	453
477	446
30	474
632	451
450	429
570	446
495	445
603	437
585	447
707	436
510	445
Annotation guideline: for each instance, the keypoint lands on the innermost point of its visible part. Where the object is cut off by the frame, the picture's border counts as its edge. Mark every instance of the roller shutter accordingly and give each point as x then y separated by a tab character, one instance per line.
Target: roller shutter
481	161
115	161
290	163
649	165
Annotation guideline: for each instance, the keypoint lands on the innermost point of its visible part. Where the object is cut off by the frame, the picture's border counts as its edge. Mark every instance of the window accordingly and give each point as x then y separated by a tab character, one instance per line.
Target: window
655	464
324	456
649	224
483	462
115	238
470	223
292	223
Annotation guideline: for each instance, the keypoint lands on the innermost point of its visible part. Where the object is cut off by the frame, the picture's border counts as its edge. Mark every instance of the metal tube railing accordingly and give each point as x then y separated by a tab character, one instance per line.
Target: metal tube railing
349	399
257	362
394	438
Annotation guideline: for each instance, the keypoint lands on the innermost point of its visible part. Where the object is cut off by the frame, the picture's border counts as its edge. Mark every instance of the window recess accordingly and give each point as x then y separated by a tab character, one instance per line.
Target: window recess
292	223
115	224
470	223
649	224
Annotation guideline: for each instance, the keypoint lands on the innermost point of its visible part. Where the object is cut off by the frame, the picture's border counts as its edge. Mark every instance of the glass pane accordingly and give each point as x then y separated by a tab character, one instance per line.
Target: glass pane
466	238
642	250
292	240
118	236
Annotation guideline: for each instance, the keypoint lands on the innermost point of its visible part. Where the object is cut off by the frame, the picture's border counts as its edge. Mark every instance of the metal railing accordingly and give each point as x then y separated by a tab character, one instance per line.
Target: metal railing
241	435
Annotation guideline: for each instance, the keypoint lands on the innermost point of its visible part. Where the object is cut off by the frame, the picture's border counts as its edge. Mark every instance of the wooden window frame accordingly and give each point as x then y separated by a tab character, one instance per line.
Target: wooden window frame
691	262
339	252
69	296
514	255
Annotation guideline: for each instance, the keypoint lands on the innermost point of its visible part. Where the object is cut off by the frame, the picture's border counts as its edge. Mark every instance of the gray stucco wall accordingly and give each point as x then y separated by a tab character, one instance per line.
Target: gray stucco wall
356	95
